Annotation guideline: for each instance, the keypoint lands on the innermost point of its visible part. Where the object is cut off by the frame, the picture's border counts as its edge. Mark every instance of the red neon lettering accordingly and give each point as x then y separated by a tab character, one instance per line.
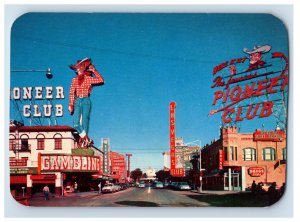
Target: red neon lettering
266	109
232	61
218	95
227	120
220	67
248	115
249	90
285	82
260	87
236	97
274	83
218	82
238	116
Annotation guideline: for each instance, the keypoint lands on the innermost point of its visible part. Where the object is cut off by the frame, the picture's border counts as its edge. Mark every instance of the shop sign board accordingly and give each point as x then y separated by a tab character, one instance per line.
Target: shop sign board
256	171
274	136
58	163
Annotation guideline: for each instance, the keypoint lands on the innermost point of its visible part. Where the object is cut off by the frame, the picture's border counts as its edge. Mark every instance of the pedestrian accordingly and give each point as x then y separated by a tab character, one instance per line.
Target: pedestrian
272	193
79	97
46	192
75	187
253	188
259	188
99	185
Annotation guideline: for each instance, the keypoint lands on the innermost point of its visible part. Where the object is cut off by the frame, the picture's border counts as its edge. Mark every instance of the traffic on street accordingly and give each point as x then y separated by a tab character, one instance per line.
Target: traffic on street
150	196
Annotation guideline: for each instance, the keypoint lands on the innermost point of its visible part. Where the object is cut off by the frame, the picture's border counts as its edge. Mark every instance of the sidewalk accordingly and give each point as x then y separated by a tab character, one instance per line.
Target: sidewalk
53	195
218	192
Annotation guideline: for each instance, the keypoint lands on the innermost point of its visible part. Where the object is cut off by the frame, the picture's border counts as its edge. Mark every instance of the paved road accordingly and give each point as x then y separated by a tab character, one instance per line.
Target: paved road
132	197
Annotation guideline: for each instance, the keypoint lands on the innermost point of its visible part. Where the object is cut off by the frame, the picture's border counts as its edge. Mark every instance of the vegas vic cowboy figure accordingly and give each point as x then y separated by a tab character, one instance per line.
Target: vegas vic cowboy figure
79	97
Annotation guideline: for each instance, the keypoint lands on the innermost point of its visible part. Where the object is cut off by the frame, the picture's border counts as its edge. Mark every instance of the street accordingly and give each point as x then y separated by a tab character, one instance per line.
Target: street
132	197
148	197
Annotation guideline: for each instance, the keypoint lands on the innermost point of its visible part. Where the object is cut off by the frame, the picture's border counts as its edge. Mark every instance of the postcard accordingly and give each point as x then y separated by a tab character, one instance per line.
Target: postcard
148	109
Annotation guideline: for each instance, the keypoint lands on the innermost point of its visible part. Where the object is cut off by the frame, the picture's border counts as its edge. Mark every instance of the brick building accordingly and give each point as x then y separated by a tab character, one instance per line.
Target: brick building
234	160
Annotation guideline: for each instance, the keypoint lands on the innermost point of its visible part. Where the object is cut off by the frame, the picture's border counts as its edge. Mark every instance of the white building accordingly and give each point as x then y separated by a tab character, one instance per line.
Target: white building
40	155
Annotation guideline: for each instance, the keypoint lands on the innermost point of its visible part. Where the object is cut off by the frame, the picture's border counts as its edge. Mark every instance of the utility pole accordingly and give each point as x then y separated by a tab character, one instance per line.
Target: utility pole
128	164
200	170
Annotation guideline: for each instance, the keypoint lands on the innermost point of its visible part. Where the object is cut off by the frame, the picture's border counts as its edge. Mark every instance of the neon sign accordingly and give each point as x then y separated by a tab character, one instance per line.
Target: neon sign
39	93
258	80
175	167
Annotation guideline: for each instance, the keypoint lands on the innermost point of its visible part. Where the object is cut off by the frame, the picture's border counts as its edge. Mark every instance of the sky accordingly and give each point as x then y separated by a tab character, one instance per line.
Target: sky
147	61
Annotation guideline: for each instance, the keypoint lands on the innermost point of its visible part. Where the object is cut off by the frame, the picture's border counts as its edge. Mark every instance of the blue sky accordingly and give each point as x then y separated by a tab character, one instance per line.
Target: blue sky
147	61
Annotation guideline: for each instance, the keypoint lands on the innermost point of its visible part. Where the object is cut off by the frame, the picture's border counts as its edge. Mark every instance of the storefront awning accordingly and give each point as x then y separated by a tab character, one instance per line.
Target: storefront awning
18	179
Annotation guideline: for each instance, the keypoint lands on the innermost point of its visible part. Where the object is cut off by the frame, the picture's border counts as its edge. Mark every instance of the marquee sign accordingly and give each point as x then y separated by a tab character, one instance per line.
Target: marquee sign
61	162
39	93
259	79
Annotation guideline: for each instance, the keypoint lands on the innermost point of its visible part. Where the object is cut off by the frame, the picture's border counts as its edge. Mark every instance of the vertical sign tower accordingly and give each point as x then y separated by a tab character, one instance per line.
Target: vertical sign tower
106	151
174	171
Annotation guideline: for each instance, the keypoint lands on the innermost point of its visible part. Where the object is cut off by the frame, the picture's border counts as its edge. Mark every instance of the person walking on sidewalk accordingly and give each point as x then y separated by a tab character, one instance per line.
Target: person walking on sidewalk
99	185
46	192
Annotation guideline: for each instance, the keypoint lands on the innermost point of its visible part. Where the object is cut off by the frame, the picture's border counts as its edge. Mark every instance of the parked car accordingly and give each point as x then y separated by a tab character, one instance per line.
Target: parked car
158	185
118	187
124	186
173	185
142	185
109	188
183	186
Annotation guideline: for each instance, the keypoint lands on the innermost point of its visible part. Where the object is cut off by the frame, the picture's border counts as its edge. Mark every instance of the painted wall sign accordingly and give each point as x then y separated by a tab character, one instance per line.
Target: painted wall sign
259	79
18	162
39	93
256	171
58	163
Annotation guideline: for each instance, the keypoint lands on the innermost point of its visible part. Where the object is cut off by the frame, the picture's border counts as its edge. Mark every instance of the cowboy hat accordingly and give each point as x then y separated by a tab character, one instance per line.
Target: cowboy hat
83	63
261	49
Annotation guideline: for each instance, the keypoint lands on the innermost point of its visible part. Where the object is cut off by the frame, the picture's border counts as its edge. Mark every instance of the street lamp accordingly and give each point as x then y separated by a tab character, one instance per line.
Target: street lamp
48	72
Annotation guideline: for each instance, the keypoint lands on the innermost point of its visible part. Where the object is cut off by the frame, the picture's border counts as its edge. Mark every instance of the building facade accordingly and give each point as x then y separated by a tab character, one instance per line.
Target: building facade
40	155
235	160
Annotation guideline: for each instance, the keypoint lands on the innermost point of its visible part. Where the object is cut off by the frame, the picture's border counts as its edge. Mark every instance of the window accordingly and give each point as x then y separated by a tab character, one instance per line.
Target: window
232	154
225	153
284	153
268	153
24	144
58	143
40	144
235	153
12	143
249	154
